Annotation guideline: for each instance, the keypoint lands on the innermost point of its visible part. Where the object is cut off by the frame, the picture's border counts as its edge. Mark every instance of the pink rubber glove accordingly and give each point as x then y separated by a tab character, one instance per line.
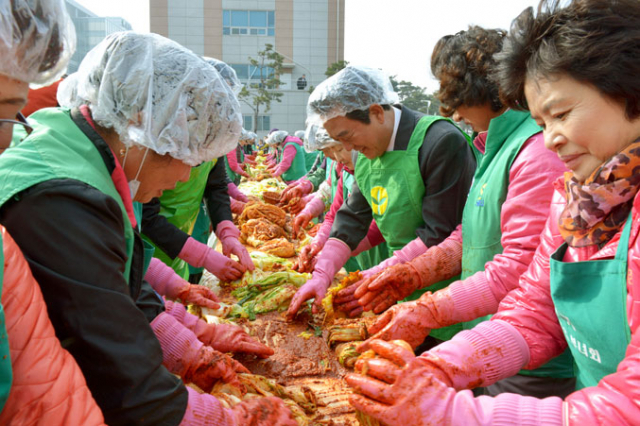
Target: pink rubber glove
237	207
235	193
228	235
183	354
308	257
200	255
167	283
333	256
403	390
409	252
230	338
298	188
205	409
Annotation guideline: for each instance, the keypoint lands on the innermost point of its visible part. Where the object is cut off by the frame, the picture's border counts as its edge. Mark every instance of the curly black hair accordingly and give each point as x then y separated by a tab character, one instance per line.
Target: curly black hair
463	63
593	41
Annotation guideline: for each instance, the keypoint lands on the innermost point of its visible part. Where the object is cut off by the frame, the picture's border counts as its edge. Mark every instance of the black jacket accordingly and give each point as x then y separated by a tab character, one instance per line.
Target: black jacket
447	166
72	236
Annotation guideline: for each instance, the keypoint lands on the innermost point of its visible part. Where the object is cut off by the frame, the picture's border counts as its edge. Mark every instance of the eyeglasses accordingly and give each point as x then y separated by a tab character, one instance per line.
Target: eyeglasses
21	120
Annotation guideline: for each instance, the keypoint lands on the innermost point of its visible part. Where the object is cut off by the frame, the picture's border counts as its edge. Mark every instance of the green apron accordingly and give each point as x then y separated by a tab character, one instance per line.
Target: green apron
481	230
233	176
58	149
298	167
481	223
148	248
590	299
181	206
310	158
393	186
6	374
201	233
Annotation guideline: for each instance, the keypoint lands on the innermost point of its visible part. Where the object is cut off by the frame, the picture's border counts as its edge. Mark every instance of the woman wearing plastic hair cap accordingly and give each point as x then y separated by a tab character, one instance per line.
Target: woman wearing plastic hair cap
37	39
145	111
228	74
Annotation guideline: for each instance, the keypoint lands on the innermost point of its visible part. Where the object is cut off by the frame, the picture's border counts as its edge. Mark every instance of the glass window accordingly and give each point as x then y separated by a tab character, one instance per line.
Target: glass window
271	32
271	20
239	18
235	30
243	31
258	19
226	20
262	32
264	122
226	31
241	71
254	31
247	122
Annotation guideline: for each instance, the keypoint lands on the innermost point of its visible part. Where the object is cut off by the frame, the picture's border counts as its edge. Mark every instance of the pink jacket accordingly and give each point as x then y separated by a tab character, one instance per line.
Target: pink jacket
287	156
48	387
522	218
232	159
529	309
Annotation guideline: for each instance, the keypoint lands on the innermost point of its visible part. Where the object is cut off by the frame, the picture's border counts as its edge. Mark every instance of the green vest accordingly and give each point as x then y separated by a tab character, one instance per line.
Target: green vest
298	167
233	176
481	231
393	186
181	206
58	149
310	158
6	374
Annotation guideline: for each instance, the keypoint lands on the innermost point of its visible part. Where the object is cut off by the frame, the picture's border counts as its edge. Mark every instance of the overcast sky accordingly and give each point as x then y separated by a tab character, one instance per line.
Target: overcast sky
395	35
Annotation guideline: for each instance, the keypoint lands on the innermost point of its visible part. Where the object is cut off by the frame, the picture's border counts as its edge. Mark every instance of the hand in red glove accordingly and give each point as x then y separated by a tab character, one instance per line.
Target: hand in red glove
346	302
297	206
199	295
228	235
230	338
379	292
237	207
300	222
263	412
308	256
211	366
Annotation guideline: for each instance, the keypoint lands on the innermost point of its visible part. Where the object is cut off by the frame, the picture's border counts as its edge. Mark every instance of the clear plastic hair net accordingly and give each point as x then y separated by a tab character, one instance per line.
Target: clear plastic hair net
37	39
252	137
155	93
228	73
318	138
353	88
300	134
277	137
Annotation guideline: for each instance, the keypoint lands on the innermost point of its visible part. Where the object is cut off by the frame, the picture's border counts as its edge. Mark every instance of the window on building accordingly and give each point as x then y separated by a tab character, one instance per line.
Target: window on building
248	22
264	122
249	73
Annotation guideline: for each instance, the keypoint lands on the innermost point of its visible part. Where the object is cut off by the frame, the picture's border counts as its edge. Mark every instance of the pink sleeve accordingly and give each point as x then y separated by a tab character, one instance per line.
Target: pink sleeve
234	192
287	158
323	233
374	235
529	307
164	280
233	162
522	217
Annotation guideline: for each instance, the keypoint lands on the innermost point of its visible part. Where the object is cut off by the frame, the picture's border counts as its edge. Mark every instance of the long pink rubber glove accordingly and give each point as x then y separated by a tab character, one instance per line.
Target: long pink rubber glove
183	354
332	257
228	235
313	208
205	409
167	283
235	193
221	337
402	389
200	255
412	250
236	206
298	188
440	262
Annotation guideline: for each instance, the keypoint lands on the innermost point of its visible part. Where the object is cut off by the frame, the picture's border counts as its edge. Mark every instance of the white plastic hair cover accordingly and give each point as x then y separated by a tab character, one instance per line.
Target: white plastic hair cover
318	138
37	39
277	137
155	93
228	74
252	137
299	134
351	89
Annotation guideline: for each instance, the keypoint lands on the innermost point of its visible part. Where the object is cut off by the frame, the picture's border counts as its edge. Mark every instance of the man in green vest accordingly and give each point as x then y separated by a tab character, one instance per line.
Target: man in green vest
505	213
412	173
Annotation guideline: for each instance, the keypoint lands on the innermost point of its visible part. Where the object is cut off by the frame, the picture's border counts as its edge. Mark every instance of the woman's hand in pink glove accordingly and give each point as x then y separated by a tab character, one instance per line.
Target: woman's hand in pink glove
199	295
315	288
211	366
228	234
307	258
346	302
390	286
202	256
268	411
237	207
300	222
231	338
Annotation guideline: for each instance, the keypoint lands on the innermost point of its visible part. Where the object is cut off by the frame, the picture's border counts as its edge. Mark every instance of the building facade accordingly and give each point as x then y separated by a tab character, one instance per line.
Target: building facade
91	29
309	34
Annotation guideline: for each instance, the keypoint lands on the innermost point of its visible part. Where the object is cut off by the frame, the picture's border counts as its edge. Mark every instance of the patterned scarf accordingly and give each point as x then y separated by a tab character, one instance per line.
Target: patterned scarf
597	208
